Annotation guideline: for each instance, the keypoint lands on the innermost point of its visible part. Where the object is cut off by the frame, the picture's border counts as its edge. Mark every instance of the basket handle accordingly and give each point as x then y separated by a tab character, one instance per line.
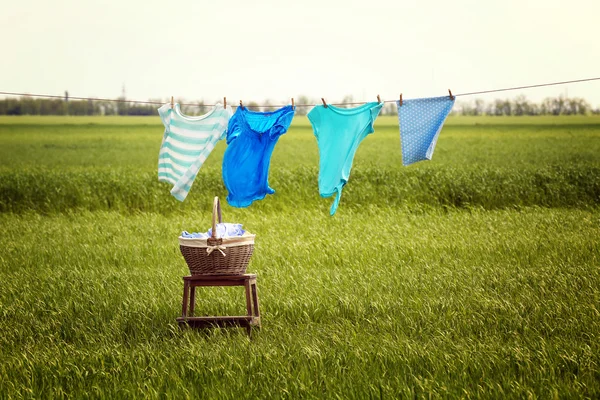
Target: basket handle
216	210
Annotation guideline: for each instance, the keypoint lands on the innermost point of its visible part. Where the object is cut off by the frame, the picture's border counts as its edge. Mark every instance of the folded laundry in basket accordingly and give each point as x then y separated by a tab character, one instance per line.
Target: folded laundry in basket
224	229
194	235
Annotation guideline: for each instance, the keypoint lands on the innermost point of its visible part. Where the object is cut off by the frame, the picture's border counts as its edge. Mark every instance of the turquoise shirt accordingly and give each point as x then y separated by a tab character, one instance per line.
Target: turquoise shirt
339	131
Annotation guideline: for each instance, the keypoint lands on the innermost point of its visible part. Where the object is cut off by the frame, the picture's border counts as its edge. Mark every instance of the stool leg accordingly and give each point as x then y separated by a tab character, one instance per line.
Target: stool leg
192	299
255	298
248	301
185	299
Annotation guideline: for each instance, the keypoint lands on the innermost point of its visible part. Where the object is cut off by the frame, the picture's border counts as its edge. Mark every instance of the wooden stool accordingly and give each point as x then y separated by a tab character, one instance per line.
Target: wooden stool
189	294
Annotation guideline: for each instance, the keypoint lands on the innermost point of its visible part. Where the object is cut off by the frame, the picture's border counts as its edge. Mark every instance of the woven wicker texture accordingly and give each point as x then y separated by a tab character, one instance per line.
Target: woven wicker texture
221	260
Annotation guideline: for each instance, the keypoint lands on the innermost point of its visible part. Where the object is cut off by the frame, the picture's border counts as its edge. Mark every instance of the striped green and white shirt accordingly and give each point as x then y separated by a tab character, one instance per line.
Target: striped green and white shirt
187	143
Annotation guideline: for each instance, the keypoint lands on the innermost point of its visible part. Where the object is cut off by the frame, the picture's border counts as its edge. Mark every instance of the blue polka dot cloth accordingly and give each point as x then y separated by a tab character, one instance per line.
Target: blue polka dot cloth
421	121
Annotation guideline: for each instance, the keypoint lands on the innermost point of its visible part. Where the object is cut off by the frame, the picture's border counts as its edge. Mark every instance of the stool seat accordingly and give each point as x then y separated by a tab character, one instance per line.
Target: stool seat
189	298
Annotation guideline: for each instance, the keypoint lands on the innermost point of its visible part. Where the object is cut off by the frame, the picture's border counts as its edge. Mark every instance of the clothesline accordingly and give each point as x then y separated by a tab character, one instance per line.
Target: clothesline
188	142
297	105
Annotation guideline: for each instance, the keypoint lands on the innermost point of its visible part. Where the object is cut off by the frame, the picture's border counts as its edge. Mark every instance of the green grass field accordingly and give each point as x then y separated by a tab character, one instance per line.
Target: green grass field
474	275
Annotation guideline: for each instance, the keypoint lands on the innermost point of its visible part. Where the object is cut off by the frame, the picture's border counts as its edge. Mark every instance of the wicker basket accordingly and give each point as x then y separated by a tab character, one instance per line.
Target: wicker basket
217	256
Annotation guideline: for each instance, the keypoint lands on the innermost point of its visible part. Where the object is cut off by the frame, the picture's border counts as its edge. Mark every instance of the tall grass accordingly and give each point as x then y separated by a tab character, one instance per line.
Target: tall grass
476	275
54	168
50	190
377	302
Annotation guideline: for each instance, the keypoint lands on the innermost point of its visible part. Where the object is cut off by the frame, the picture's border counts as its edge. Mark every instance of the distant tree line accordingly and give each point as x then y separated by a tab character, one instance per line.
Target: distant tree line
41	106
519	106
560	105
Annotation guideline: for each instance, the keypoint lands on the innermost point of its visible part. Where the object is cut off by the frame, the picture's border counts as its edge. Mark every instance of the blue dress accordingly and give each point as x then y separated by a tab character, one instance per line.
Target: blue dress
339	131
421	122
251	138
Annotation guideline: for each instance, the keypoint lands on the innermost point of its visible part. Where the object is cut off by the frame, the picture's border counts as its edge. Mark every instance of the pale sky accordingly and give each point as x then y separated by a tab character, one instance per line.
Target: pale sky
276	49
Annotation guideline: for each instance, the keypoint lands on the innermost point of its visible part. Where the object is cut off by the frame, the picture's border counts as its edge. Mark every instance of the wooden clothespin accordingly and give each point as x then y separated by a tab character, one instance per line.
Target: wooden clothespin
378	99
172	102
400	99
450	92
241	105
293	106
224	102
324	103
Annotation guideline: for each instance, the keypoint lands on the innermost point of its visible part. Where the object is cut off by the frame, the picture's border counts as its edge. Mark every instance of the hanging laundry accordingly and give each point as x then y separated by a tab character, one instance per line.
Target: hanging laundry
187	143
421	121
339	131
251	138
